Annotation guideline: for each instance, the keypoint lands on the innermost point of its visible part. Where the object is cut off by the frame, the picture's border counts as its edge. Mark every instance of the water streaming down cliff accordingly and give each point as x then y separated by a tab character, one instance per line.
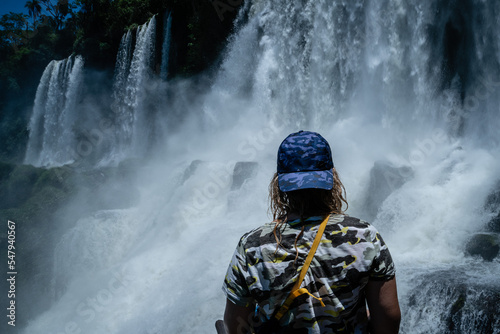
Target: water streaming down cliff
132	76
54	116
165	50
64	131
412	84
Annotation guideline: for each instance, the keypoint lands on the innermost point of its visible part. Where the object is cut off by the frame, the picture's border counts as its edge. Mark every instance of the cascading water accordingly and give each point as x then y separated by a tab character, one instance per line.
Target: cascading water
165	50
132	74
124	119
122	70
407	95
51	125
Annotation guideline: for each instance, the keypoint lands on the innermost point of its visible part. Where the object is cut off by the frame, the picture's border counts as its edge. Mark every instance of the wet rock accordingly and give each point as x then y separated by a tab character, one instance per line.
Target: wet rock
455	314
129	166
450	302
384	179
486	245
493	205
17	184
494	224
189	171
242	171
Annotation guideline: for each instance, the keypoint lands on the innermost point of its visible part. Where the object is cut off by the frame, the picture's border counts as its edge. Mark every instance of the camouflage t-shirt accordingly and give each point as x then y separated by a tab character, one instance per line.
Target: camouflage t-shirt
350	254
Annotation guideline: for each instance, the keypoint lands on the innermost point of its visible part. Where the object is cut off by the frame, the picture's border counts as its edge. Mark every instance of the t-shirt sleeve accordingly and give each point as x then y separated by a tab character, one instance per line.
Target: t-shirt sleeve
235	286
382	268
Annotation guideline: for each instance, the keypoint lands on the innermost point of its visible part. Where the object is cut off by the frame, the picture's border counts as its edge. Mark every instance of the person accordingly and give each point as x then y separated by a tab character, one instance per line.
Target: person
350	285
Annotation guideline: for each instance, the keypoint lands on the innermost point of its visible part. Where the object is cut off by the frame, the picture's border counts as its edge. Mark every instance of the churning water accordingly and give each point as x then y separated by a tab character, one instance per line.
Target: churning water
409	87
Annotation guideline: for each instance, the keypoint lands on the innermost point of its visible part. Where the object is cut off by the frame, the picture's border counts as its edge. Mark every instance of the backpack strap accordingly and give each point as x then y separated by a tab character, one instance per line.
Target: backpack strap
296	290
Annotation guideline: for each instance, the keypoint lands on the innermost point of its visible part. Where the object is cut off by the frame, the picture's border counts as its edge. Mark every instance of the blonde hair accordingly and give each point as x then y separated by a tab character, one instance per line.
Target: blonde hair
304	202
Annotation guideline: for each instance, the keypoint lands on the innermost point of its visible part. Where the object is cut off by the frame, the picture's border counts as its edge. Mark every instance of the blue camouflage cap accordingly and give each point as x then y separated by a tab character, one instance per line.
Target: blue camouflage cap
304	162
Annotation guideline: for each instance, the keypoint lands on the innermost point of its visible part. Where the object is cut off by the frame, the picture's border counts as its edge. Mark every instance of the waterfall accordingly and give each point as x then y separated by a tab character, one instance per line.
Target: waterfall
51	125
55	140
122	69
407	94
121	113
132	74
165	50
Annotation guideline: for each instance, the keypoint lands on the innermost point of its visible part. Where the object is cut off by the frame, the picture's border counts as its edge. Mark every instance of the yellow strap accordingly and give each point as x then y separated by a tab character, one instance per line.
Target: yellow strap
296	290
304	290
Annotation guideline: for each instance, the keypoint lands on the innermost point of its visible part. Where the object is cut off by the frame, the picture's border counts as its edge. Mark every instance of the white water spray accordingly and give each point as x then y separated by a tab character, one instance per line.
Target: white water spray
51	126
132	76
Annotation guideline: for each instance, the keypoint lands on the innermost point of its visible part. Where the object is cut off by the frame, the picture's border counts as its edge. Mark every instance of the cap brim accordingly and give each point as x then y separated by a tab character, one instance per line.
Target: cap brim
306	180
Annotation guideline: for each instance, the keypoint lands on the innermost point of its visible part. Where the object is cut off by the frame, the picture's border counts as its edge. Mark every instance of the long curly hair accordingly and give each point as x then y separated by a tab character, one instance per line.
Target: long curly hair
305	203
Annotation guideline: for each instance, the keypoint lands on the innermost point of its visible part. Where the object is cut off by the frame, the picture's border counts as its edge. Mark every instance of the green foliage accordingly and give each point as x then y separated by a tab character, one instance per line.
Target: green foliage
204	35
13	85
34	9
30	192
13	136
13	22
58	10
193	47
47	200
54	177
12	30
17	187
5	170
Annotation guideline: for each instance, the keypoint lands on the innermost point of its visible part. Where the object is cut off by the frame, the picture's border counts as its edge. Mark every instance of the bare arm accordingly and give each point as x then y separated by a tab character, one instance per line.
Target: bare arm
382	299
238	318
